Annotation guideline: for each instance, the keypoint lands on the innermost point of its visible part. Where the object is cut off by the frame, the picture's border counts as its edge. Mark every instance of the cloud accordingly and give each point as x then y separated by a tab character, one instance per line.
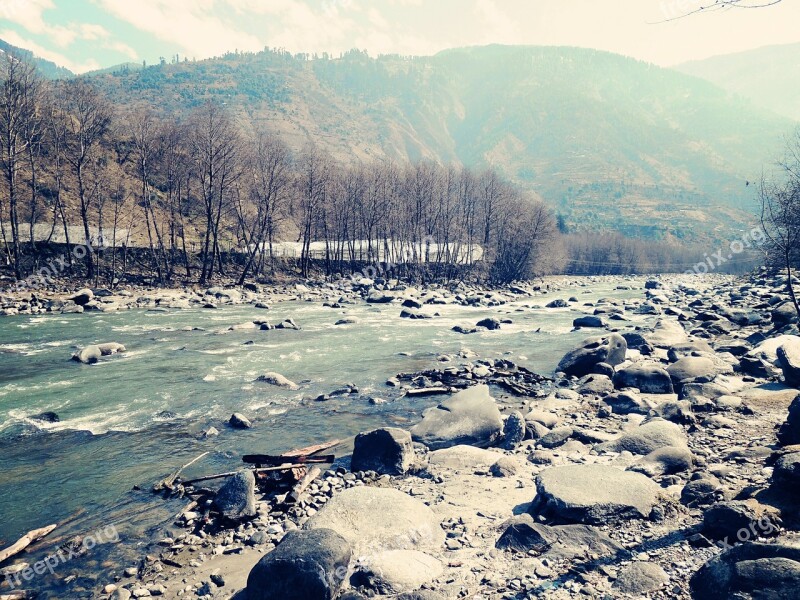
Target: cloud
190	25
13	38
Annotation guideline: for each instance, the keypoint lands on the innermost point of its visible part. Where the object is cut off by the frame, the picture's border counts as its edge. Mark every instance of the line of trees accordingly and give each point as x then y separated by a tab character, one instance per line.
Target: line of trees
69	158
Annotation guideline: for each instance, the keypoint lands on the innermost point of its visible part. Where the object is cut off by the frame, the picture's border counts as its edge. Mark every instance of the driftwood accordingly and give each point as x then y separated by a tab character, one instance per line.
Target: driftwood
294	496
231	473
274	461
311	450
15	595
169	481
25	541
428	391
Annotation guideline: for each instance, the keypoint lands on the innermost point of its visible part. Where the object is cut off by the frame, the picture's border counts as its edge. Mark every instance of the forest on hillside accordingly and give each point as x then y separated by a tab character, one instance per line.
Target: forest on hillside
203	195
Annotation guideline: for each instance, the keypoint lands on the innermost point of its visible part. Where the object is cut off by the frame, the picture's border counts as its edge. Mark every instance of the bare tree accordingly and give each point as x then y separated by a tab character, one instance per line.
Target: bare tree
269	173
780	217
21	86
88	117
214	147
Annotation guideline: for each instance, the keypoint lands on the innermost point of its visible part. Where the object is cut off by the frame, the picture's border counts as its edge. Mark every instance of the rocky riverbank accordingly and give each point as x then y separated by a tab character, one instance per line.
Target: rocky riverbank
658	463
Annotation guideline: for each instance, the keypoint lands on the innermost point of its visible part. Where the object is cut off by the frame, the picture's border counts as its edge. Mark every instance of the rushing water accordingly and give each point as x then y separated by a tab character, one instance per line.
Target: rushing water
132	418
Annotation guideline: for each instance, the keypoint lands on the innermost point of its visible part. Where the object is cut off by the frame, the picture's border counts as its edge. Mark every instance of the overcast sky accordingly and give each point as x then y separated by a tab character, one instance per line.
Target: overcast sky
88	34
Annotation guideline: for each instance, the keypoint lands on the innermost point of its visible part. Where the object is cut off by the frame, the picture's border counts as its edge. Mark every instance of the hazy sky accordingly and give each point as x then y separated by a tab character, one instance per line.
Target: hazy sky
88	34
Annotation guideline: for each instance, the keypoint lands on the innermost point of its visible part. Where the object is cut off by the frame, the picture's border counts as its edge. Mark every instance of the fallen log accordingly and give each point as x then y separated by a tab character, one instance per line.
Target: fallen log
311	450
286	467
15	595
294	496
25	541
428	391
274	461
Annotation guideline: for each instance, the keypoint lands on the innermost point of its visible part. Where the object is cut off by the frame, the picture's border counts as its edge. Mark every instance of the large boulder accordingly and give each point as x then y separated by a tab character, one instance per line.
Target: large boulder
609	349
396	571
82	297
647	378
789	433
750	571
388	451
88	355
514	431
469	417
648	437
702	367
740	521
593	494
306	565
785	314
667	333
109	348
236	499
789	361
370	517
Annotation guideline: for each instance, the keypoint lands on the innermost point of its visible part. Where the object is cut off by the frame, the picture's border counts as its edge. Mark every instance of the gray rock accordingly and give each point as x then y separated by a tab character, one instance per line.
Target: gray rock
236	499
783	315
469	417
609	349
593	494
697	367
88	355
640	578
278	380
556	437
388	451
489	323
740	521
625	403
588	321
648	437
789	433
504	467
306	565
789	360
596	385
514	431
396	571
371	517
109	348
750	571
649	379
239	421
82	297
522	534
557	303
703	491
786	474
665	461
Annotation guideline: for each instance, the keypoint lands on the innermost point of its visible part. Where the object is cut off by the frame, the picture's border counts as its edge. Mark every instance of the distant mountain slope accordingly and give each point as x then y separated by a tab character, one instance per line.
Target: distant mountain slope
49	69
607	140
769	76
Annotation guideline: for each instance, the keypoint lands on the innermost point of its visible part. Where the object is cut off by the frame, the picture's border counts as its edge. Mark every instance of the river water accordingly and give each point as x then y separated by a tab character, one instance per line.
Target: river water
133	418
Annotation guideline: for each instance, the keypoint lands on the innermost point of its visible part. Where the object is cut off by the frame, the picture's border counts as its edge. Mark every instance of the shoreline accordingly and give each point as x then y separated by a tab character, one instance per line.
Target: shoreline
471	503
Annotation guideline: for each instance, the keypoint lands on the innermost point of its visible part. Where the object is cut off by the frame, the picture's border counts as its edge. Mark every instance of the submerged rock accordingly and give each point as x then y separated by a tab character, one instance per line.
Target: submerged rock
278	380
239	421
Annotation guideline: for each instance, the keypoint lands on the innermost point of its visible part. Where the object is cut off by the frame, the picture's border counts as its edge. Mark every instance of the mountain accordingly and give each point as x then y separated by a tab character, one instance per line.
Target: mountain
50	70
608	141
769	77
